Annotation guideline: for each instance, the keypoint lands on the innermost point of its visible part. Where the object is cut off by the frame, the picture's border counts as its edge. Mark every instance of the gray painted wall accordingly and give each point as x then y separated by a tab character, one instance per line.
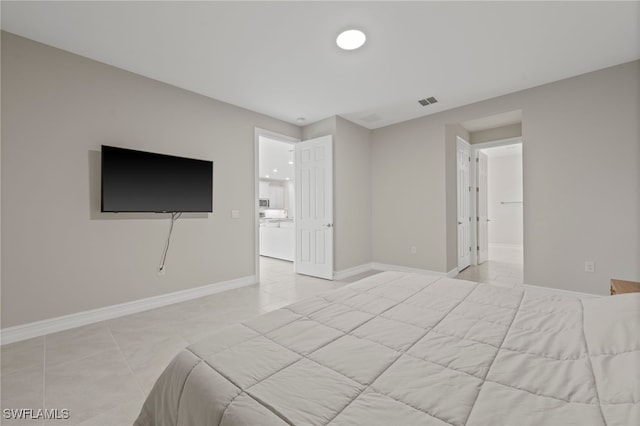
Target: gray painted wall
351	189
320	128
408	195
497	133
352	195
60	254
581	177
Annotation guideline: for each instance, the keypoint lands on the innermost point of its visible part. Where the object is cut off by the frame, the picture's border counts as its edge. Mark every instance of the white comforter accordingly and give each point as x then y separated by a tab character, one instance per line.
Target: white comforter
409	349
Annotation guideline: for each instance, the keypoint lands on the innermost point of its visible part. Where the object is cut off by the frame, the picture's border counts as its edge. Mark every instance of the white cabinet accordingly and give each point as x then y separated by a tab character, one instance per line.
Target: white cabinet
273	191
263	189
276	196
289	200
278	242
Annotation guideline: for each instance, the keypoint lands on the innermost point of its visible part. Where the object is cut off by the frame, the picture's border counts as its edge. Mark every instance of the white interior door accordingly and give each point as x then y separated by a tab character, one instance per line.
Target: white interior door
463	151
314	207
483	208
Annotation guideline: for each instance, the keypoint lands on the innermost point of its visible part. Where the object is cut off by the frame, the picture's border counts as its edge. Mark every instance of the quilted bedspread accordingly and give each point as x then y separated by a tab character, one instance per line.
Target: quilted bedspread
412	349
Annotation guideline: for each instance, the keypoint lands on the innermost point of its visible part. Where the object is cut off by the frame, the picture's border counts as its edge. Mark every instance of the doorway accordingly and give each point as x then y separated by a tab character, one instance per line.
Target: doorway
294	204
500	204
275	202
463	188
497	206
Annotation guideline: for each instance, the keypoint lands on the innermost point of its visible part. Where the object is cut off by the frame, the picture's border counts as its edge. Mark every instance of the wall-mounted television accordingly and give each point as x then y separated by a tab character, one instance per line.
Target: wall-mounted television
138	181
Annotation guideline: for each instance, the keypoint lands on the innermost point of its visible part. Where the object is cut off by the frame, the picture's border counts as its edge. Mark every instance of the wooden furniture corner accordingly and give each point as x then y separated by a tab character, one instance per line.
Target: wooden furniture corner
621	286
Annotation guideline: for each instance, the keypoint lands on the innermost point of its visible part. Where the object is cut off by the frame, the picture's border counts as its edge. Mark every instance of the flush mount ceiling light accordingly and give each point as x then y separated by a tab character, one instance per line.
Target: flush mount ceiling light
351	39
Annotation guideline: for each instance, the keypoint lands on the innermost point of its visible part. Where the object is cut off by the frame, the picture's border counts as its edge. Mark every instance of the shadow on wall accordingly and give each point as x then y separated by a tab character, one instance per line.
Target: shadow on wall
94	158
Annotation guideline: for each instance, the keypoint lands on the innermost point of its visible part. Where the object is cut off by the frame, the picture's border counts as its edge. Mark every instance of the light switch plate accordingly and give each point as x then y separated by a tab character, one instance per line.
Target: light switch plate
589	266
235	214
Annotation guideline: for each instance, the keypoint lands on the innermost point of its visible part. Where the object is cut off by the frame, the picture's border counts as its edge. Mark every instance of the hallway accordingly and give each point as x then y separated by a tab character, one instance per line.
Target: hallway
496	272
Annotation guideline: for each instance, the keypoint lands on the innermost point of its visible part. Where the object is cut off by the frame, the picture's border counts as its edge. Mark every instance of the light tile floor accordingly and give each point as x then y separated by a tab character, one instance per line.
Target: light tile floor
494	272
102	372
504	268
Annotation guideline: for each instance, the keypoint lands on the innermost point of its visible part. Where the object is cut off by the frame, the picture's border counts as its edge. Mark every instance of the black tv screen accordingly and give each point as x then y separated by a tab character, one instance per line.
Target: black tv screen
138	181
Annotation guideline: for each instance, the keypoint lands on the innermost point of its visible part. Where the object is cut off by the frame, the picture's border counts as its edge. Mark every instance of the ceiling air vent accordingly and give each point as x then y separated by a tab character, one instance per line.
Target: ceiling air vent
427	101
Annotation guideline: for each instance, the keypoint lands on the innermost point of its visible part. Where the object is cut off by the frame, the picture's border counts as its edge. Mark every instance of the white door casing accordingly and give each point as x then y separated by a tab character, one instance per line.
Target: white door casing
260	190
314	207
463	156
483	208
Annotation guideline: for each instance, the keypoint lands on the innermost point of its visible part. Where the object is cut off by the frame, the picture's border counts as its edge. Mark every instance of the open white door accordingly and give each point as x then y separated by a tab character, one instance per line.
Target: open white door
483	209
463	153
314	207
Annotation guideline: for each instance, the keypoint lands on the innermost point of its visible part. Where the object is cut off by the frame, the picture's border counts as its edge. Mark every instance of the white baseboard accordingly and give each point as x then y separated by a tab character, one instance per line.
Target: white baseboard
349	272
454	272
397	268
506	246
53	325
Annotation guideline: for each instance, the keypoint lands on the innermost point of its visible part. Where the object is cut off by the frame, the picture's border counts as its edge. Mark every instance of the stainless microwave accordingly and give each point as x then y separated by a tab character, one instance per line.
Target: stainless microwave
264	202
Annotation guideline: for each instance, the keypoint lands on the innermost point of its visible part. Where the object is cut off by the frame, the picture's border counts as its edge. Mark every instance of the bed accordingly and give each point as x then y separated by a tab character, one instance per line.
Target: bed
412	349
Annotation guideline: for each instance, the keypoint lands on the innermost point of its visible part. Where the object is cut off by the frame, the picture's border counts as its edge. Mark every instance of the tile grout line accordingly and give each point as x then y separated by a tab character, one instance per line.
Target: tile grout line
269	290
81	358
275	294
124	358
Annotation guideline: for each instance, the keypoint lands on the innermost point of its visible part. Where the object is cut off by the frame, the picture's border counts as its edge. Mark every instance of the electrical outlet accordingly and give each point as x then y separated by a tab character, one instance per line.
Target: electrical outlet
589	266
235	214
414	250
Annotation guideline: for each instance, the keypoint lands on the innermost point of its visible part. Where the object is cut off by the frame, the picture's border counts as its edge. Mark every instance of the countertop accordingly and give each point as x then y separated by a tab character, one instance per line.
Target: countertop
276	223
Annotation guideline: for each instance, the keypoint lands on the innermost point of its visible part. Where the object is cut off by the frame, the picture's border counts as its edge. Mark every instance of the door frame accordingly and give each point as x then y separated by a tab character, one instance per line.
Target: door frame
463	142
473	181
258	132
475	253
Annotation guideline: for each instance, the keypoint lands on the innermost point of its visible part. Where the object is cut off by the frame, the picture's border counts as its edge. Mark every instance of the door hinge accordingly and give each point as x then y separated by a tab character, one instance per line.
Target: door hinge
477	189
469	248
478	218
478	248
469	189
477	160
469	159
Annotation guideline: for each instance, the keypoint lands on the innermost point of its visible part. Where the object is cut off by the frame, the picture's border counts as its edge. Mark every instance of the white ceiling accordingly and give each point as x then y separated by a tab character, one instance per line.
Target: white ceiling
280	58
275	155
